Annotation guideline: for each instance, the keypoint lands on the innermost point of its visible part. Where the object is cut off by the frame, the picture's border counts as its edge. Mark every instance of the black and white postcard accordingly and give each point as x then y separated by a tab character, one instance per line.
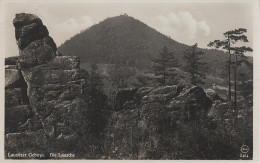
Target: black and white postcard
130	80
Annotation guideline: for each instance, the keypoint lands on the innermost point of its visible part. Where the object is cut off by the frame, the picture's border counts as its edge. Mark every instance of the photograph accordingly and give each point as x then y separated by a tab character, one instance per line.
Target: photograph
130	80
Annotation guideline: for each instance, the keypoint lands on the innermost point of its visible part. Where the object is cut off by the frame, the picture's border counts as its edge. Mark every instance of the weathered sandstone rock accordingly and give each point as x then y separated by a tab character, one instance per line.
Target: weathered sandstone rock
17	109
13	78
153	115
28	28
55	90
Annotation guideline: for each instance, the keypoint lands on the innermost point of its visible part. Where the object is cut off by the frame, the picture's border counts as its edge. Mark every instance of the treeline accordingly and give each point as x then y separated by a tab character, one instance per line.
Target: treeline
133	41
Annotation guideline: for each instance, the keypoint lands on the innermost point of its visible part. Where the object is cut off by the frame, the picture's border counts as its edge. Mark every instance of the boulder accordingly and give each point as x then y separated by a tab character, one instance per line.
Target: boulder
28	28
24	19
192	101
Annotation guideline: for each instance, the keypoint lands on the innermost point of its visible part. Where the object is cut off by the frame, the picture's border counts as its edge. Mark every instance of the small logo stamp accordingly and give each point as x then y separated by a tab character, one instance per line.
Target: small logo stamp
244	151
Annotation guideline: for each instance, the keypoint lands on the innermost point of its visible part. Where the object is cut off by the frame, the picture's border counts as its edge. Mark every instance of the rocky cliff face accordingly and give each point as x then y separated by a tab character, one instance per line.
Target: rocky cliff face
149	120
17	107
45	93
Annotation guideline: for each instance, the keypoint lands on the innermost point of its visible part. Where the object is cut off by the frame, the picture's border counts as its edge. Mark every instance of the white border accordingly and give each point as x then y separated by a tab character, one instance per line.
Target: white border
256	60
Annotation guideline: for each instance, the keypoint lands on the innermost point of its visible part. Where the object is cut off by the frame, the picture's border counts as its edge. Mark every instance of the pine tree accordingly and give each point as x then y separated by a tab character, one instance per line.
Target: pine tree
194	64
163	66
231	37
239	59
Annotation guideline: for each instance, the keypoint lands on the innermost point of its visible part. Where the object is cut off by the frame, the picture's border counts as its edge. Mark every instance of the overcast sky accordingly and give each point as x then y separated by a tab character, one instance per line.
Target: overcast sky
187	23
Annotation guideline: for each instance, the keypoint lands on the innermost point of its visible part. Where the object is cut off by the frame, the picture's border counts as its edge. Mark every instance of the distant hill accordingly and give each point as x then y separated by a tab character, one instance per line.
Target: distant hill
120	36
134	43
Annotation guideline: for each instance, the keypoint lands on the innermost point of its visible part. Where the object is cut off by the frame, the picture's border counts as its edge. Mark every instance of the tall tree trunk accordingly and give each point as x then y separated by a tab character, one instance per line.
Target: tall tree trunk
193	74
235	87
131	129
229	71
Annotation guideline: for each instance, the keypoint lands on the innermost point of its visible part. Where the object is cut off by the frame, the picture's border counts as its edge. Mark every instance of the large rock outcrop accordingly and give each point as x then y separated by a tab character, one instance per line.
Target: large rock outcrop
150	120
28	28
45	93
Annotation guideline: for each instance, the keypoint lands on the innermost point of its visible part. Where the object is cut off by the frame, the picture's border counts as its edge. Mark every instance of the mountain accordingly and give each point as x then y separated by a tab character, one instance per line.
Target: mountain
134	44
120	36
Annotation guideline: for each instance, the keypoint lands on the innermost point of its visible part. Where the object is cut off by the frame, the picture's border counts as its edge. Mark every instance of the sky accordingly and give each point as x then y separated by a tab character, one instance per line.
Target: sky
187	23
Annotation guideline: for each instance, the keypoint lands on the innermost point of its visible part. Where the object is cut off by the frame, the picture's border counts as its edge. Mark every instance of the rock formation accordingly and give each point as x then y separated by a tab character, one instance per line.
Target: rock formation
51	107
17	108
150	118
45	93
29	28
